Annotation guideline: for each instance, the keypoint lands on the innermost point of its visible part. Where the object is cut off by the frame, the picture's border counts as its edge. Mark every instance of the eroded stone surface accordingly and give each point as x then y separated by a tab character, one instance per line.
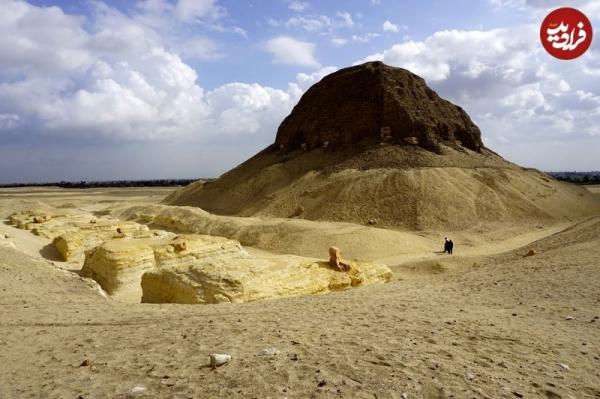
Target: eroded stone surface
254	278
374	100
118	264
132	263
73	232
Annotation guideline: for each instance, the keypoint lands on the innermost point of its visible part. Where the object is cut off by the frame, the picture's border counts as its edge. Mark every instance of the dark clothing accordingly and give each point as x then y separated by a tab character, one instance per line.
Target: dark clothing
448	246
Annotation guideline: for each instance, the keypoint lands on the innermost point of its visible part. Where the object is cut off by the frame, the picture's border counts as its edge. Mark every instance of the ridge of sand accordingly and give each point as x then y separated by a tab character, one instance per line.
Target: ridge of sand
495	326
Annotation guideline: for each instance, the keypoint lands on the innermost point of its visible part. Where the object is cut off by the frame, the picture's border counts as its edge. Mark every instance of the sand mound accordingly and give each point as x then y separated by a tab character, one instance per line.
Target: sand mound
441	197
283	236
373	144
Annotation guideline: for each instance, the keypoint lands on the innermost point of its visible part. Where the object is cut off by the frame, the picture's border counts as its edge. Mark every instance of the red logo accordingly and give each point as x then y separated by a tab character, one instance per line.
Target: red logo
566	33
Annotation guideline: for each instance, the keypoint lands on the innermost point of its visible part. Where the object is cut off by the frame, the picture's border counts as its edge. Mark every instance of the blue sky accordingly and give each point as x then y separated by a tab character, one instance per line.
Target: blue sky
186	88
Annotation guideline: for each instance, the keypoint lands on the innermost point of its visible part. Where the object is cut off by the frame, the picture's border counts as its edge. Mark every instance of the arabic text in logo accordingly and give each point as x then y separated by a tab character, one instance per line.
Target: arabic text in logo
566	33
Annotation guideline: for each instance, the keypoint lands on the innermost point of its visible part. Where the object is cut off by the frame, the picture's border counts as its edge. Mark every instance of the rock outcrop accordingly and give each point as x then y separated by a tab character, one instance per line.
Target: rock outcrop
132	263
375	101
118	264
74	232
254	278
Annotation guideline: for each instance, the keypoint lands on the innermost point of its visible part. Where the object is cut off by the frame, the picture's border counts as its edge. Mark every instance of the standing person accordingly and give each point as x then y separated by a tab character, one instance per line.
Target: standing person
450	246
446	245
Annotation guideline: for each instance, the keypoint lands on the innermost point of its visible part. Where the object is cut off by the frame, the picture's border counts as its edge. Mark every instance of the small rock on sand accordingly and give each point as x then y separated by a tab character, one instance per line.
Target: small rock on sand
564	366
531	252
138	389
268	352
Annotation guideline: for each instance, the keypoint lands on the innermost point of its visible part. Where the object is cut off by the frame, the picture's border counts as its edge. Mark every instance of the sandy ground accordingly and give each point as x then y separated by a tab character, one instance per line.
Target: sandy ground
485	323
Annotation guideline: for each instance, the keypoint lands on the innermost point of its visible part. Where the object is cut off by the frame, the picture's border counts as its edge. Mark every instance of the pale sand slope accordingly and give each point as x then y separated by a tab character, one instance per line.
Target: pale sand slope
444	327
396	186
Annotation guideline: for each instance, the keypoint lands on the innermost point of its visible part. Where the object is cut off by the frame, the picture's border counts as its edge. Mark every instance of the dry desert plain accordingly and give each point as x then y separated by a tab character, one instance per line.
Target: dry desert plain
486	322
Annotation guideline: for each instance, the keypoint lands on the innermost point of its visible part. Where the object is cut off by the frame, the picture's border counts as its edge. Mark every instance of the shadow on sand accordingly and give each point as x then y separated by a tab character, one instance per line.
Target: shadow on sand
49	252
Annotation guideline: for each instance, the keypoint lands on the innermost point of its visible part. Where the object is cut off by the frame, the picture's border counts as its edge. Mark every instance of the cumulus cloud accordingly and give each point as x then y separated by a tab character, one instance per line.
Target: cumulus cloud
305	80
113	77
290	51
390	27
514	90
298	6
190	9
365	37
318	22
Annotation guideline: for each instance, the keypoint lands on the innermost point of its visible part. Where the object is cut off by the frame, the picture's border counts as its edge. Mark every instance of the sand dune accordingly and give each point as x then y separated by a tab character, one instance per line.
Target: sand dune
479	324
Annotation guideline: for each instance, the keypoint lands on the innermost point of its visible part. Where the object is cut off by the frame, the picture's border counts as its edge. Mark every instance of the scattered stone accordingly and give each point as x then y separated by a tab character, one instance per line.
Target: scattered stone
167	383
299	211
41	218
531	252
404	395
517	394
564	366
85	363
326	144
303	146
138	389
321	383
268	352
470	376
372	222
385	132
411	140
569	318
335	260
219	359
179	244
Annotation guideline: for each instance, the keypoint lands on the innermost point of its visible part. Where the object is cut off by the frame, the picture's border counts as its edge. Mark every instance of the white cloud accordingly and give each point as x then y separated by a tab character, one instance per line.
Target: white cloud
290	51
516	92
298	6
113	77
310	23
9	122
306	80
191	9
338	41
364	38
390	27
345	19
317	23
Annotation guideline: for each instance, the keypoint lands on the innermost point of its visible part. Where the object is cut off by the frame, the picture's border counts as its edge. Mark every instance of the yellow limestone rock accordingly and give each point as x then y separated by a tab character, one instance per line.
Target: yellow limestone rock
51	226
72	245
118	264
74	232
254	278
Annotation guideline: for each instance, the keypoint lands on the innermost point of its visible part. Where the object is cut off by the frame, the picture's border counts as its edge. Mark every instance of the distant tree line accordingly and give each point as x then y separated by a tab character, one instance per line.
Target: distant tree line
107	183
577	177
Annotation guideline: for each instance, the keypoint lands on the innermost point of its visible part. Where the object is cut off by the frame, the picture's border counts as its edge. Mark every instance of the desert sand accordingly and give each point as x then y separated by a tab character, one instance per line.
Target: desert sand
315	269
486	322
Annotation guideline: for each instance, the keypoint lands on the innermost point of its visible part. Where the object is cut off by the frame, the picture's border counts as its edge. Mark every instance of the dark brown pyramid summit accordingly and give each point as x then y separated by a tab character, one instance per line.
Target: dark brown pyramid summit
374	100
